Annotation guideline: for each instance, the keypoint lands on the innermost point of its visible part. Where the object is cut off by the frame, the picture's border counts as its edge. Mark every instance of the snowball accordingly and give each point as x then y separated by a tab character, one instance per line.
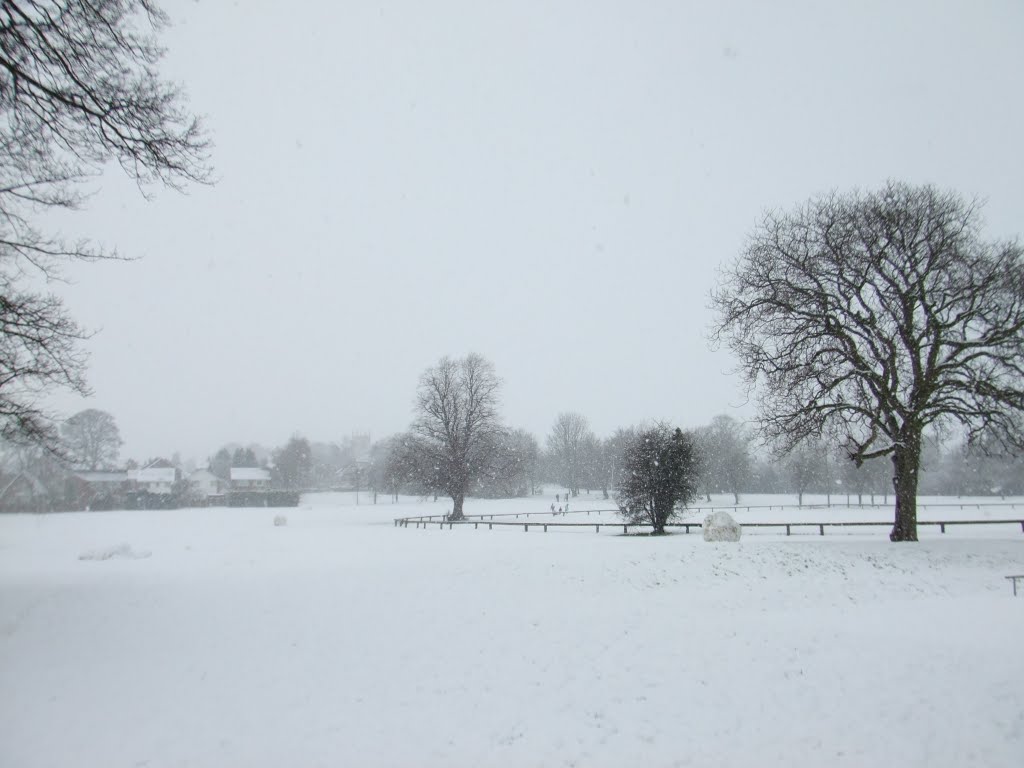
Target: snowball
280	520
120	550
720	526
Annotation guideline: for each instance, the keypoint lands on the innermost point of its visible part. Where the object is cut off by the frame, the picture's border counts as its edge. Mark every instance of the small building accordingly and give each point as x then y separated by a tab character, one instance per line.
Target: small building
96	490
250	479
25	493
206	484
157	477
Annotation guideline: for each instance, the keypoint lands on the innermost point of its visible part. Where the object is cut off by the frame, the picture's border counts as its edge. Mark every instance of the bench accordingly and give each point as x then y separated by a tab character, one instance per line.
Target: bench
1015	579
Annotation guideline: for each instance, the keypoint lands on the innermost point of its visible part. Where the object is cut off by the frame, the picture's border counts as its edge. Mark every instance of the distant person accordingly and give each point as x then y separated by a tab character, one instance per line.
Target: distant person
557	497
567	507
559	510
552	508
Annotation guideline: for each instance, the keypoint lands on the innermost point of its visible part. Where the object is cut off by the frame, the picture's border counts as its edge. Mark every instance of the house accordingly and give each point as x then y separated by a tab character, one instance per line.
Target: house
206	484
25	493
158	477
96	490
250	479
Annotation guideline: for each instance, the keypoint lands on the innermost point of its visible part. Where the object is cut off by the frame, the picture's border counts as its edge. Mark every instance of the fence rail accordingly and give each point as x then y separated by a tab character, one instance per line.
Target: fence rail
441	521
730	508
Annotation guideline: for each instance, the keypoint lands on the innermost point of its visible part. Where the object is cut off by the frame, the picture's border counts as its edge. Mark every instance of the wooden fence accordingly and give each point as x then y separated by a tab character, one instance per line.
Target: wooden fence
427	521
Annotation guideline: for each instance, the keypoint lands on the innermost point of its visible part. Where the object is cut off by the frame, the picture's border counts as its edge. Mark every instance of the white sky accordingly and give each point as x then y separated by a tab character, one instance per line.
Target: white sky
551	184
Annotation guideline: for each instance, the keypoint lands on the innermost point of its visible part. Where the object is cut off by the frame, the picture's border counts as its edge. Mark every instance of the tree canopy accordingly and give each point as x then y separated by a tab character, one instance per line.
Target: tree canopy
91	439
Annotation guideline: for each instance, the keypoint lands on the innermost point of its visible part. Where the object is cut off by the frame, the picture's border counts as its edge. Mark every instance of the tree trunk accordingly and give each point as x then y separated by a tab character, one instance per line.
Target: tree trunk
736	497
457	507
659	522
905	463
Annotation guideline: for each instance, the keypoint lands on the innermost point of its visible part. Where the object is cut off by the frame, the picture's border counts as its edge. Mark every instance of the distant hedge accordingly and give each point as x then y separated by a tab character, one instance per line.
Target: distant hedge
144	500
263	499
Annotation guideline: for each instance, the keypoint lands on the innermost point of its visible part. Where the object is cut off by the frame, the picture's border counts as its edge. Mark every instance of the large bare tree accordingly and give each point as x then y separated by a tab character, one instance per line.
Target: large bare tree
874	317
78	89
457	423
91	439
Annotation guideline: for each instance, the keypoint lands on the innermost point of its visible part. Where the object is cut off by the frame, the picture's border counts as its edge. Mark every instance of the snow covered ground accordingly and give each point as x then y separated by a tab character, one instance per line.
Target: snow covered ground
212	638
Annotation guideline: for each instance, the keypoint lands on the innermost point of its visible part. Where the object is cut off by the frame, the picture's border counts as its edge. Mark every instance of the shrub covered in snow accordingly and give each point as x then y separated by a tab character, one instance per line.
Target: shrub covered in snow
280	520
719	526
659	476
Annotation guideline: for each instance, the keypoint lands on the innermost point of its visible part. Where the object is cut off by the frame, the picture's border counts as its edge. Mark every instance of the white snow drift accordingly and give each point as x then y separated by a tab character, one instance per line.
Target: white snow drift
124	551
719	526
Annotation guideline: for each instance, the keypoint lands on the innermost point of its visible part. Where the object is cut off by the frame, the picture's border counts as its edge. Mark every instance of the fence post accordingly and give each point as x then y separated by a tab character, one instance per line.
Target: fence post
942	527
490	526
787	530
624	529
545	527
821	529
597	528
526	526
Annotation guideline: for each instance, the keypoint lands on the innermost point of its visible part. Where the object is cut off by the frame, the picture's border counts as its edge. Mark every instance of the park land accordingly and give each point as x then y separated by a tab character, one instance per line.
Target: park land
213	637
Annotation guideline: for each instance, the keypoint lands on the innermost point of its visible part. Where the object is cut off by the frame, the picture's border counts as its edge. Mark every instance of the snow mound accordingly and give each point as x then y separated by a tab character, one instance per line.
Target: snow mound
280	520
119	550
720	526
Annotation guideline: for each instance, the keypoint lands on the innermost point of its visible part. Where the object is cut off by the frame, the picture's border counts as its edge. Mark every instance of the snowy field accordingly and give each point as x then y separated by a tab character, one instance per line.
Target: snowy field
213	638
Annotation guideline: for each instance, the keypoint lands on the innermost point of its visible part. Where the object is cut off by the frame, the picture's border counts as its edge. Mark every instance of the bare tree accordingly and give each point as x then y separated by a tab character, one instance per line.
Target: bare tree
725	456
78	89
568	446
457	423
805	468
613	450
874	317
91	439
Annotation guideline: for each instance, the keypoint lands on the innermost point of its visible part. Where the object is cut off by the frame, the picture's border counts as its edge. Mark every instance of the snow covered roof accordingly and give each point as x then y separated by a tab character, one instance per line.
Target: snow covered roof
249	473
92	476
155	475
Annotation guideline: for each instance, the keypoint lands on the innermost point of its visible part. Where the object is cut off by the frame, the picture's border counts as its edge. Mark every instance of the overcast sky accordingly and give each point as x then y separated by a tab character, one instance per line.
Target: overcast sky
551	184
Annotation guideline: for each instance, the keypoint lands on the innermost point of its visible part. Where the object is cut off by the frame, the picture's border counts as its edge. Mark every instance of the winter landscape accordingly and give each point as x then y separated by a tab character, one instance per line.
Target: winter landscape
561	383
212	637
